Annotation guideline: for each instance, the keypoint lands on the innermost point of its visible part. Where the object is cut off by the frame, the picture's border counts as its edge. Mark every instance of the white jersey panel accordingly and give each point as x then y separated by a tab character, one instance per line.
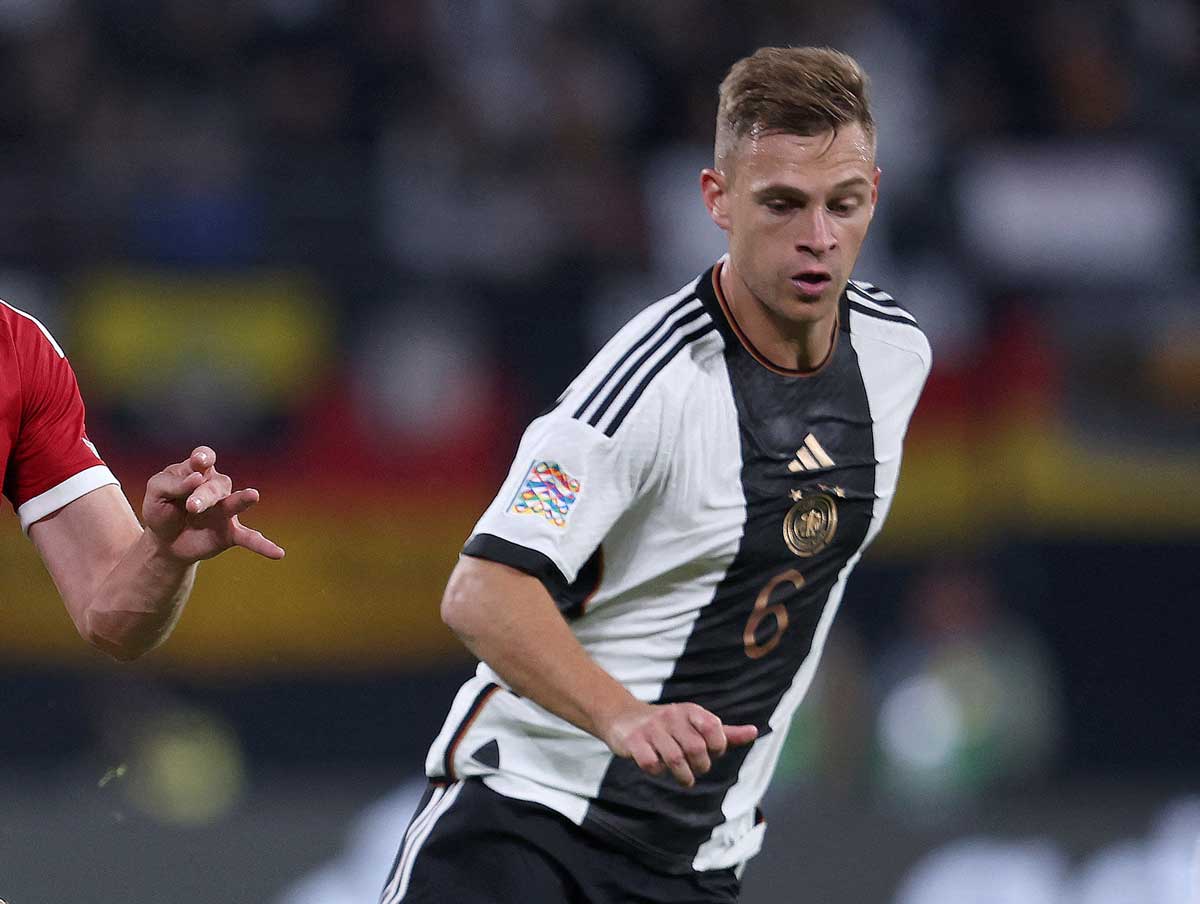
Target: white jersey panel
894	360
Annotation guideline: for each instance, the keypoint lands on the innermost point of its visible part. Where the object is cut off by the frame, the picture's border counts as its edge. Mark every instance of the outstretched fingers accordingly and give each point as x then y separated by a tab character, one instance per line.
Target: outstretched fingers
235	504
254	541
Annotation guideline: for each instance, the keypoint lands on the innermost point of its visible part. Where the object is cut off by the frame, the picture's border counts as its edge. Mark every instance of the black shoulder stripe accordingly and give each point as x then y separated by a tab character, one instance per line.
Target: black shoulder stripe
663	362
876	294
595	419
879	315
675	309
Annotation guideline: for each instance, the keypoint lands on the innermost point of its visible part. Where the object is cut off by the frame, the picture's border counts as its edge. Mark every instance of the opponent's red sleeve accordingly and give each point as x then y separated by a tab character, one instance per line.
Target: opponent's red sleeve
52	462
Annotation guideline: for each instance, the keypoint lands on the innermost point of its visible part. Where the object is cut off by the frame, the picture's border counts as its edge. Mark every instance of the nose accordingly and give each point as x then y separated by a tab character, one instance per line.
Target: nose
816	233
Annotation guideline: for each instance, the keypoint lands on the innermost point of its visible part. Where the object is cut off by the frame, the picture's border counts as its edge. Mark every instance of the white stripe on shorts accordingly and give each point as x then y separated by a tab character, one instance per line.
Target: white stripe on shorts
441	801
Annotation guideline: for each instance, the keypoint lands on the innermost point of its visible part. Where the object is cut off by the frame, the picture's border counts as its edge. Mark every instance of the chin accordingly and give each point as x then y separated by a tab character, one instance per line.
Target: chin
806	309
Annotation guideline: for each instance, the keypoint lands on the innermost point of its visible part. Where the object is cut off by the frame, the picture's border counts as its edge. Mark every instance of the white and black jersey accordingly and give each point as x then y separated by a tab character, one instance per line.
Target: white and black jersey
695	511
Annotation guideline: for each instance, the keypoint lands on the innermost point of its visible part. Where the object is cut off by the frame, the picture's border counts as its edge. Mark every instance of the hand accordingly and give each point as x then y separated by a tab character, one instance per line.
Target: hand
192	511
681	737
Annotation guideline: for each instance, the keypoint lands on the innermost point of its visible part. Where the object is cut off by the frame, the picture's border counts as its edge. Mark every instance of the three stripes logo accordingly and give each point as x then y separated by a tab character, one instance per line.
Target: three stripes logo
810	457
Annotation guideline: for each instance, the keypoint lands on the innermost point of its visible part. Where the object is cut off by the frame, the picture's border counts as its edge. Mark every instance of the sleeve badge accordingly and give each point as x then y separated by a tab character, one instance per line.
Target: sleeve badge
548	491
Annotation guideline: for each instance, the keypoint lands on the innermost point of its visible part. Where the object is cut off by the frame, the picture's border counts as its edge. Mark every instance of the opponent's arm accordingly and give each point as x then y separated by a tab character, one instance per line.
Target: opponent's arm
125	586
508	619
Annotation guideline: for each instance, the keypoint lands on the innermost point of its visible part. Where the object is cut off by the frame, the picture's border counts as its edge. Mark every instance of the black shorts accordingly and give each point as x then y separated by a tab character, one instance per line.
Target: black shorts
466	844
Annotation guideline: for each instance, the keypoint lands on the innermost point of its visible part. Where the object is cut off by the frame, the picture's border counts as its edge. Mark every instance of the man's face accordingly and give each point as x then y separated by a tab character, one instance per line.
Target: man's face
796	209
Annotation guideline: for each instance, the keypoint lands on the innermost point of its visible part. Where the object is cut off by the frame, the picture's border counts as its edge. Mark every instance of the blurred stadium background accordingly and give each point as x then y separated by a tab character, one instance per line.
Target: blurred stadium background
356	244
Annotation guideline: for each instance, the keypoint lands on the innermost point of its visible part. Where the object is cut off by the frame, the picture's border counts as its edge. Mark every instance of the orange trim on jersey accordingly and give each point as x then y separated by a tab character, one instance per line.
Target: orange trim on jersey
480	703
750	347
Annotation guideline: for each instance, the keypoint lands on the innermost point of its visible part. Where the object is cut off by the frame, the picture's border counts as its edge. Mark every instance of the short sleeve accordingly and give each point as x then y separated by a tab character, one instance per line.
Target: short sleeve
52	462
567	486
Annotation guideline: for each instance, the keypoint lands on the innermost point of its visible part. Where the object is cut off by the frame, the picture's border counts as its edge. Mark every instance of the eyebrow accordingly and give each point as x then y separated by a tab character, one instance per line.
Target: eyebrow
777	190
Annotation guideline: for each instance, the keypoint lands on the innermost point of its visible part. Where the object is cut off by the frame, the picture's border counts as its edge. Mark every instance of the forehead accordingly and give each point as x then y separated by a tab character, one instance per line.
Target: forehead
806	159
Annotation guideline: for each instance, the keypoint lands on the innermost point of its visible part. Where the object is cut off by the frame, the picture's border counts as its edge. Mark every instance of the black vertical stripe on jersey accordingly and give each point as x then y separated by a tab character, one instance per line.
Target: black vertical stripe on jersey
675	309
665	822
686	340
678	325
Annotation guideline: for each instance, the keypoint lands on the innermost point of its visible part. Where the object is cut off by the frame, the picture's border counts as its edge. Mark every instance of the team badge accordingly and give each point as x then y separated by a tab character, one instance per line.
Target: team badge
810	524
547	490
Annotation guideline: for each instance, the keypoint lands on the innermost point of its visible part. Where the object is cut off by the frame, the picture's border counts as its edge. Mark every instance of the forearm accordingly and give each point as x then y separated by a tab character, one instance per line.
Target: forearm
139	602
509	621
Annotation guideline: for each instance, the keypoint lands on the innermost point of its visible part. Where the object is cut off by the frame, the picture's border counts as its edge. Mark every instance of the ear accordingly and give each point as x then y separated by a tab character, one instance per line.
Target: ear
875	187
714	190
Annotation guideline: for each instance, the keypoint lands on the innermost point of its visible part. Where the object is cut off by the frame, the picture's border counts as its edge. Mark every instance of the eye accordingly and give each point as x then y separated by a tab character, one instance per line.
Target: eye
778	205
845	206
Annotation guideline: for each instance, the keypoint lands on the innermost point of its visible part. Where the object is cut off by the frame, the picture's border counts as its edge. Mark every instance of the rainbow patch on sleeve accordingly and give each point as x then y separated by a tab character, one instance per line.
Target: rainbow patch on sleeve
547	490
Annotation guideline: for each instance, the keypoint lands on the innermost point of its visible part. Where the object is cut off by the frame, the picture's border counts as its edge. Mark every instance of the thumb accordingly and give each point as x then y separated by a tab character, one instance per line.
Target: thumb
739	735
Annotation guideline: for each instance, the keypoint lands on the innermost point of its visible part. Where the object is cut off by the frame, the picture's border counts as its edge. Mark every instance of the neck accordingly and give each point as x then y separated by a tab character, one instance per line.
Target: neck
802	345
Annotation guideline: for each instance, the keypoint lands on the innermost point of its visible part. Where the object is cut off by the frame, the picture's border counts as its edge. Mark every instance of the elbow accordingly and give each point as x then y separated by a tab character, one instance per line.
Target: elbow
123	646
456	611
120	651
461	609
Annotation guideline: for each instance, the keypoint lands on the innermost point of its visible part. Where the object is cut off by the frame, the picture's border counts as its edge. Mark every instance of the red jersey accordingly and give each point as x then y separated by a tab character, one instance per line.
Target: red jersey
45	454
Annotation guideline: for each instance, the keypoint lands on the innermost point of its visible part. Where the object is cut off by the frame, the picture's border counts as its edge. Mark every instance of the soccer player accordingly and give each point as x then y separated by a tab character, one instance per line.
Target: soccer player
652	587
124	585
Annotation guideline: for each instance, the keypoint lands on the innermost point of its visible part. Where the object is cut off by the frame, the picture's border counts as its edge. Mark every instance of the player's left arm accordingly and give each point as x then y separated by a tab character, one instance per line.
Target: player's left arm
124	585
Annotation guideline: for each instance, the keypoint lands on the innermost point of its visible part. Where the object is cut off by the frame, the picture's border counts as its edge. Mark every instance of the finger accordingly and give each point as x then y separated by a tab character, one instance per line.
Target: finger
673	756
696	751
172	485
214	488
740	735
202	458
254	541
710	729
227	505
646	757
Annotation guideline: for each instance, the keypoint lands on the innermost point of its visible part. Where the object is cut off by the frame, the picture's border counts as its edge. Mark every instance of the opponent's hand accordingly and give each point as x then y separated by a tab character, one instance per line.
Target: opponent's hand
681	737
192	511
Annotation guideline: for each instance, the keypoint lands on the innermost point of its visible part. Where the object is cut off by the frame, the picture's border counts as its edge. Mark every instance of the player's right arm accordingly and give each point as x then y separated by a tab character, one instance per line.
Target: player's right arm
508	619
123	586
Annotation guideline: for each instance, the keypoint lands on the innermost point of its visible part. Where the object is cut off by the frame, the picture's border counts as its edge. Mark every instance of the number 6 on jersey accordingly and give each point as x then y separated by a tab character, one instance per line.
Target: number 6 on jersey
764	607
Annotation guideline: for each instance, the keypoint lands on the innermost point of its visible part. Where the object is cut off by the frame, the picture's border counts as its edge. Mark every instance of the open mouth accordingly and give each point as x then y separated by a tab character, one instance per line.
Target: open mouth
812	281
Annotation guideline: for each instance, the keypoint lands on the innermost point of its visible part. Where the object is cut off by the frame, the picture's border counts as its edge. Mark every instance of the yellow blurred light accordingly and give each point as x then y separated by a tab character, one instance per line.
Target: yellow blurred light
187	769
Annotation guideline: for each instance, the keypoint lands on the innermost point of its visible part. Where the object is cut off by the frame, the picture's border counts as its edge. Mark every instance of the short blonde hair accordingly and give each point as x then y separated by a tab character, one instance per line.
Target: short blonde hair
792	90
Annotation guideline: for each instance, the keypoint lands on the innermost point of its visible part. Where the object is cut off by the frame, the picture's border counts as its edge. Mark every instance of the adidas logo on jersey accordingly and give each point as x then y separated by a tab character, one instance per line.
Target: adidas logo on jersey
810	457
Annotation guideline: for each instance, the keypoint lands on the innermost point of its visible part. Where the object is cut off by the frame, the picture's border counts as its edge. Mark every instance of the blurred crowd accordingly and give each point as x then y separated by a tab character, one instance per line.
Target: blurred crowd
485	189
